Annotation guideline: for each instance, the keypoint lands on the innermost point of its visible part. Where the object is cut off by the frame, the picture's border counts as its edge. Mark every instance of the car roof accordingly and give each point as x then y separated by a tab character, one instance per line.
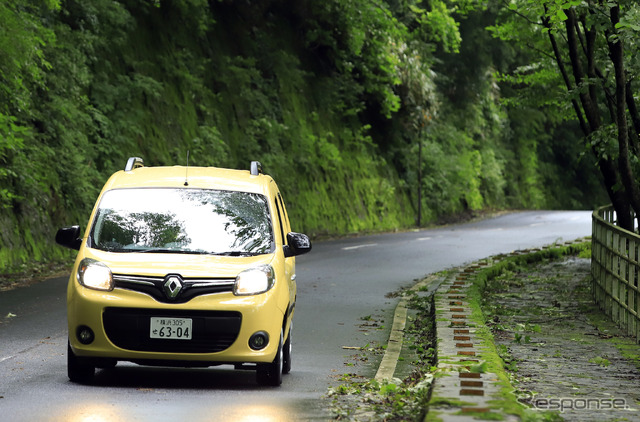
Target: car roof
191	177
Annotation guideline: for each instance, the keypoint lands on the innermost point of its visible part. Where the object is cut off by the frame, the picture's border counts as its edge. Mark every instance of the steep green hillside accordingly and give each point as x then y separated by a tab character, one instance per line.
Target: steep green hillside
333	97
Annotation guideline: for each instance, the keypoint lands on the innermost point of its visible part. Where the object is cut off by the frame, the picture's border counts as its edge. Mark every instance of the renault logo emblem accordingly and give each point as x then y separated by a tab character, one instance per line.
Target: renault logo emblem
172	286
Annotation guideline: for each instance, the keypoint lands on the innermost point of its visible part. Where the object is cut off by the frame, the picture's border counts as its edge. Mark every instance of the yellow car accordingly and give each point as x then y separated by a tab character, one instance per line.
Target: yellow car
184	266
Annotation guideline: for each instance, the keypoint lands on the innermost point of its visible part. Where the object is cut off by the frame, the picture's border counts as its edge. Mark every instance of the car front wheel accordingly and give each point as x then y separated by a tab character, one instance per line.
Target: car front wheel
271	373
79	369
286	354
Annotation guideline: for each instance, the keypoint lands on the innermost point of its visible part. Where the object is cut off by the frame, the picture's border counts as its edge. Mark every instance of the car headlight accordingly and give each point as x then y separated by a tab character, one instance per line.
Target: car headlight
95	275
254	281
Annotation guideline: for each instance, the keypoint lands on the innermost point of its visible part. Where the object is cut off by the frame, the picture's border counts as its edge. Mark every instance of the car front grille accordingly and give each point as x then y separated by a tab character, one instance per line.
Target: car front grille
213	331
160	288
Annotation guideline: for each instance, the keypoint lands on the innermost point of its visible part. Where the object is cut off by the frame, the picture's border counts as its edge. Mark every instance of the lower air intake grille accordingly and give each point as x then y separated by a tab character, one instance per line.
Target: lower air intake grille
213	331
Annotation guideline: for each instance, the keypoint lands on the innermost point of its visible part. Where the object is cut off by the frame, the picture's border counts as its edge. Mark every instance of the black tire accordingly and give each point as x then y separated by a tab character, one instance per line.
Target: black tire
79	370
286	354
271	373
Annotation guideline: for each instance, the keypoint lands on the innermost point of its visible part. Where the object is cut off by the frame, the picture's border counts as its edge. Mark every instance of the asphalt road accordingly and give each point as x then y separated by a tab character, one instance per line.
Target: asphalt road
340	284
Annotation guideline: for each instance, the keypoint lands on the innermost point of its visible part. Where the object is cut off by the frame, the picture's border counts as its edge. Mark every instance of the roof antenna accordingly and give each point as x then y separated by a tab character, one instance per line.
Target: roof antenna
186	172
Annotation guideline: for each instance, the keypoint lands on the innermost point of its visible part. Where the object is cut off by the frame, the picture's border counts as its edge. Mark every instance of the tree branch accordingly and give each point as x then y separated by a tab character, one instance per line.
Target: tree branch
588	103
565	75
635	117
506	4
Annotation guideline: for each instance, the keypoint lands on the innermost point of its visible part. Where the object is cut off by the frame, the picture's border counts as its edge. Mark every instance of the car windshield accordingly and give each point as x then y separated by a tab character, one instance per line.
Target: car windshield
195	221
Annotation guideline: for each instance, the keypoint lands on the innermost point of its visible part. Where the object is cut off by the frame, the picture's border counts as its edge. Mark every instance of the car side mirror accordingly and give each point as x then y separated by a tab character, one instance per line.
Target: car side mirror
298	244
69	237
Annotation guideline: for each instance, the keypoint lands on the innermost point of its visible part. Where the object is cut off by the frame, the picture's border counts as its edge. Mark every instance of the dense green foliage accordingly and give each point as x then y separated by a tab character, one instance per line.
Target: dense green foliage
333	97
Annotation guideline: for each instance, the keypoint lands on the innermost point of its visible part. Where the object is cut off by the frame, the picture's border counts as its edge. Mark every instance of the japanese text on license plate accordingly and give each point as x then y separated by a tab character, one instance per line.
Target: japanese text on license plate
171	328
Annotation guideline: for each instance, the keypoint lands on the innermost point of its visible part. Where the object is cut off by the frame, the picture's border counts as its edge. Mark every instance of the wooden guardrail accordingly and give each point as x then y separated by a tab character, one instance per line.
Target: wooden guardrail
615	270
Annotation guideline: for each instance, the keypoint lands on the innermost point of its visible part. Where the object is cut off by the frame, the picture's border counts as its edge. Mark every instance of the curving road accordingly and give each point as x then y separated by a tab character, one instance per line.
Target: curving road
340	284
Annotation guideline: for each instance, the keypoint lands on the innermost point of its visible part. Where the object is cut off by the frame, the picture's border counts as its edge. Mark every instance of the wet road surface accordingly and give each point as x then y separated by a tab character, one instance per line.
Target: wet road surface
339	283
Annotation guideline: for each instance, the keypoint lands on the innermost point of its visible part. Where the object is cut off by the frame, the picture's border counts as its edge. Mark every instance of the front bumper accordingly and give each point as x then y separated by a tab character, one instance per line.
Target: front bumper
222	326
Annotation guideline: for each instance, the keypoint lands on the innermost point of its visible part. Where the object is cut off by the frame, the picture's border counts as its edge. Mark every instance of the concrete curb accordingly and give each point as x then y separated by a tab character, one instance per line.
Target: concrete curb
394	345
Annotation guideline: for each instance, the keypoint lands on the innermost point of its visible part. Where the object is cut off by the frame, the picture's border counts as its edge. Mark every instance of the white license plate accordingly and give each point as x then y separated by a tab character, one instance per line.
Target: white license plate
171	328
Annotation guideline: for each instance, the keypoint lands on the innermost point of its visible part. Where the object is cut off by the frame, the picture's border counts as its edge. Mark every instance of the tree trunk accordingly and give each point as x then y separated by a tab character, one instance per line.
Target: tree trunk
587	111
624	163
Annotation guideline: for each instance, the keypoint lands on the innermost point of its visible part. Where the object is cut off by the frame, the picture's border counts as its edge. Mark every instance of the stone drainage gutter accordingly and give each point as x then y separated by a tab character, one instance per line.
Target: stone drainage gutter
470	382
462	389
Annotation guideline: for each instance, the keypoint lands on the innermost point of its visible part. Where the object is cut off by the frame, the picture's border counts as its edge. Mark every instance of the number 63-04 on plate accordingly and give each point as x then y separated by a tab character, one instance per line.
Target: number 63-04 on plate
171	328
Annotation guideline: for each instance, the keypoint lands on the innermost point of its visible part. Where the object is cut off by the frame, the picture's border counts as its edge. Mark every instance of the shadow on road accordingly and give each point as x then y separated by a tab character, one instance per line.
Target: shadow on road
142	377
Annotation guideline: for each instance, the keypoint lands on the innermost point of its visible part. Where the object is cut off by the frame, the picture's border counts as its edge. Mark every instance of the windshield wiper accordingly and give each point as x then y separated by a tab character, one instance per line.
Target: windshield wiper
236	253
200	252
181	251
161	250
